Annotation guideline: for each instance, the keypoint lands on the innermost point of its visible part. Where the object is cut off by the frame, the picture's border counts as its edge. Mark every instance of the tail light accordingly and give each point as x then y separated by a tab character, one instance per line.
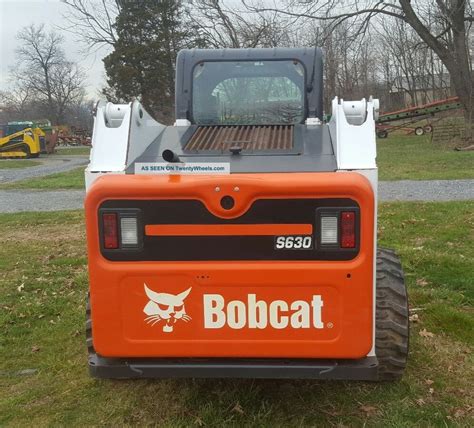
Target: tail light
110	227
121	229
329	228
338	228
129	231
348	229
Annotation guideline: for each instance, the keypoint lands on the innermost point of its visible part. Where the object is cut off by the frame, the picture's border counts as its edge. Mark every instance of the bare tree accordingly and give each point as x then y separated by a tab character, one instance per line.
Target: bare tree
225	25
414	72
449	38
80	115
67	88
38	53
221	23
92	21
16	101
411	44
43	71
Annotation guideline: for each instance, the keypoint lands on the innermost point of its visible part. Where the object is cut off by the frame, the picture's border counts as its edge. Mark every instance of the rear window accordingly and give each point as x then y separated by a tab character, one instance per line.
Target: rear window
248	93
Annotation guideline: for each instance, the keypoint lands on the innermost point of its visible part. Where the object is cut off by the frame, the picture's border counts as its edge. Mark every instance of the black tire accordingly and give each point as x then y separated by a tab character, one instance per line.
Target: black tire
90	345
419	131
428	129
382	133
392	317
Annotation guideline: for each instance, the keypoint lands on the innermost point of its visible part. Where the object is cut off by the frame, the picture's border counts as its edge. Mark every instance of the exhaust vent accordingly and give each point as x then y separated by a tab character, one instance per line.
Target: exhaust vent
244	137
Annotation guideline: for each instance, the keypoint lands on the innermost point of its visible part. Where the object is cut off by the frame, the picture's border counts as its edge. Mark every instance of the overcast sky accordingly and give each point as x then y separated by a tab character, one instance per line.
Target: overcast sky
15	14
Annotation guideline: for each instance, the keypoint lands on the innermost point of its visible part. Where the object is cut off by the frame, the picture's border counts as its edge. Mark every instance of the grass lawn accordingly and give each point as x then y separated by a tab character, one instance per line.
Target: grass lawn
68	151
43	285
23	163
73	179
401	157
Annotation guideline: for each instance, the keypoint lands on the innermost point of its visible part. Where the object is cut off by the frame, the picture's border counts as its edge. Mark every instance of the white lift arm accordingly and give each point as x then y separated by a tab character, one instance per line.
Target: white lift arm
121	133
352	129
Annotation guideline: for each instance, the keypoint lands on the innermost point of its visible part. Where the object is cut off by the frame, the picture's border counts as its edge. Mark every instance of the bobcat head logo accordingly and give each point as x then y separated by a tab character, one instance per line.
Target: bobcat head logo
166	307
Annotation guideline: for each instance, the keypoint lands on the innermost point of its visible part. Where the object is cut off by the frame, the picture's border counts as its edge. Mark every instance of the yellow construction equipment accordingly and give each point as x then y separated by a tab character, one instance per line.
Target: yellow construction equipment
21	144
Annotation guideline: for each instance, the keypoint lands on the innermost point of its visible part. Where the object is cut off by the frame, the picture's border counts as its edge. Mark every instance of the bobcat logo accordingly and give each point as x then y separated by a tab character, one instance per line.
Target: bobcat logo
167	307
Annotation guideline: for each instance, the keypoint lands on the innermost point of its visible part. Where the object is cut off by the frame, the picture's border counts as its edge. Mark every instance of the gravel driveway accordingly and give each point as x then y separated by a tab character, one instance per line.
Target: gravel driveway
50	165
428	190
433	190
12	201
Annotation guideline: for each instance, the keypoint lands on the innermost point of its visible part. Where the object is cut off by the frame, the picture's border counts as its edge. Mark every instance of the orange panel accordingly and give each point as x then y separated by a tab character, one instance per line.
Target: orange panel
227	229
294	309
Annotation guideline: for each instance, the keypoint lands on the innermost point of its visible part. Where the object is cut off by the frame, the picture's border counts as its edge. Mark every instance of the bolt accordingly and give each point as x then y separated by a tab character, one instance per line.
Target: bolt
236	189
217	189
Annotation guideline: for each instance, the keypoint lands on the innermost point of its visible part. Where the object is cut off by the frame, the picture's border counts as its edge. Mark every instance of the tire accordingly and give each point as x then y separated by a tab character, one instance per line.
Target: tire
428	129
382	133
419	131
392	317
90	345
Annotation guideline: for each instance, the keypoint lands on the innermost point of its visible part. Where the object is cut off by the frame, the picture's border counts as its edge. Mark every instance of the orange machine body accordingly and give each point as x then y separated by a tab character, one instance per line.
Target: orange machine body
232	308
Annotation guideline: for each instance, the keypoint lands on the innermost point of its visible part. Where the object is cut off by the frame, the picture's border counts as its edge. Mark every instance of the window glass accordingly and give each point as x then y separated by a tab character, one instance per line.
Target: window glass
248	93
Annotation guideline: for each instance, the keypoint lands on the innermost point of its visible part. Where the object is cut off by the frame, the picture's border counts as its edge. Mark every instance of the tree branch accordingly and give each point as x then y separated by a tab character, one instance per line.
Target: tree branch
412	18
344	16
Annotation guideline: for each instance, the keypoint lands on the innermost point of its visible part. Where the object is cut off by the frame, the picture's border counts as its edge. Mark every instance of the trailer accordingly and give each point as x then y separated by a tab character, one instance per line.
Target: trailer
413	115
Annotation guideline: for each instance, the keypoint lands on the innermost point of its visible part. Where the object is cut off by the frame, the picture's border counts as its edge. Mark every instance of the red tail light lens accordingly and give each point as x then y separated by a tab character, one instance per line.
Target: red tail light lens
109	221
348	229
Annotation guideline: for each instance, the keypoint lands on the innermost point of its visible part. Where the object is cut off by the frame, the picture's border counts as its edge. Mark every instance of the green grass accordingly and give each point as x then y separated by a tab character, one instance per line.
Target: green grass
43	286
401	157
23	163
73	179
68	151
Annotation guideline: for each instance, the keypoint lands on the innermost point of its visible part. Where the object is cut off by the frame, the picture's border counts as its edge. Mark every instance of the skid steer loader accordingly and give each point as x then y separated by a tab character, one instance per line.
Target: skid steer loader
241	242
22	144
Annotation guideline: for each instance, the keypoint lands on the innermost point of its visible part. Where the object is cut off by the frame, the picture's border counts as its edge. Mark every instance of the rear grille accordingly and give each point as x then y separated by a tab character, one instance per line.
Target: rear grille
245	137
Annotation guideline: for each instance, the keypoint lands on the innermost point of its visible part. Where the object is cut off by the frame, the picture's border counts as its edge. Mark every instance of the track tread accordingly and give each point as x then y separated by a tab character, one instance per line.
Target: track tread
392	322
89	342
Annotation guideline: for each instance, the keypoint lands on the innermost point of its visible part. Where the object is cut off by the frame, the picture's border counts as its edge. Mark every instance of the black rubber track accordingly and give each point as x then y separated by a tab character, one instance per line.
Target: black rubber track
392	319
90	346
